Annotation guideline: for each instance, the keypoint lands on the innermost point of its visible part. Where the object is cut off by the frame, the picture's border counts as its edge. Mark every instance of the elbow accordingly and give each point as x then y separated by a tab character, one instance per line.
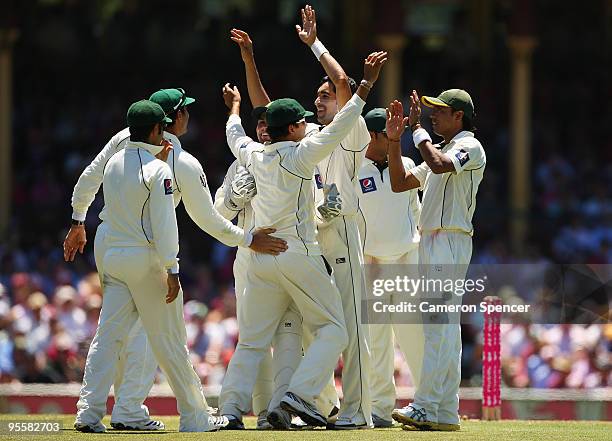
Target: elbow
437	168
395	187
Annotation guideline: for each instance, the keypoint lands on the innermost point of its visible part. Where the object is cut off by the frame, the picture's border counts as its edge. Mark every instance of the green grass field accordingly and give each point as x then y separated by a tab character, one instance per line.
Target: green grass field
471	430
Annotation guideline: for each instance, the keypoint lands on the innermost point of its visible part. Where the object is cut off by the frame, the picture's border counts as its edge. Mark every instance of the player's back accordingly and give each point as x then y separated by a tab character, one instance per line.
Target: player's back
284	199
126	197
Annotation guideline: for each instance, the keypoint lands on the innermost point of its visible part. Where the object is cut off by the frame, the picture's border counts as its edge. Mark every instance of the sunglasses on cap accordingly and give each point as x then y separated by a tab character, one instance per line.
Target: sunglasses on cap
181	101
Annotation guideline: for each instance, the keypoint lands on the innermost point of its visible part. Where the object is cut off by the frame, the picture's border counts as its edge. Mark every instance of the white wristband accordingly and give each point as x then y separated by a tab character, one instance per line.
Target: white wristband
318	49
420	135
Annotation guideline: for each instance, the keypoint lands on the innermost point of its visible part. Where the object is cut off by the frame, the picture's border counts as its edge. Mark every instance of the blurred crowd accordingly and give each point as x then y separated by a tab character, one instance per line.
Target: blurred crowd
49	309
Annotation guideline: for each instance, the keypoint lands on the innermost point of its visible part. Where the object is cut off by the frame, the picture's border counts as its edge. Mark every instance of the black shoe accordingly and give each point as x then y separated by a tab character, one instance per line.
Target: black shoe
233	424
306	411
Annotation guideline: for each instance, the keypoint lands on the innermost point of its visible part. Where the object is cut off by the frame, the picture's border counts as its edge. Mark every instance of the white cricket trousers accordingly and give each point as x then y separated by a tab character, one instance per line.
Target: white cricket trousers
275	371
408	336
341	245
443	254
135	286
273	282
136	365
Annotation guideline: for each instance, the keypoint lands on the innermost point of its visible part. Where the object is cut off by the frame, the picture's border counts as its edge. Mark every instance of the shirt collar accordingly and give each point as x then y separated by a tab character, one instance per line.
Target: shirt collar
176	143
269	148
153	149
457	137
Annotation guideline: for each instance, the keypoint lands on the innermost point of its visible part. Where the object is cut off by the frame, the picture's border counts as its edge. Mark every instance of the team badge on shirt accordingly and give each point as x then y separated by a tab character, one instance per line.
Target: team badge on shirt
463	157
319	181
367	185
168	186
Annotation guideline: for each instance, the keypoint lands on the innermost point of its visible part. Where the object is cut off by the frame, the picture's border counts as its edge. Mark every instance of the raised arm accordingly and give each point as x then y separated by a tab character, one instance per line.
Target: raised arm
437	161
316	147
401	180
308	34
257	93
239	143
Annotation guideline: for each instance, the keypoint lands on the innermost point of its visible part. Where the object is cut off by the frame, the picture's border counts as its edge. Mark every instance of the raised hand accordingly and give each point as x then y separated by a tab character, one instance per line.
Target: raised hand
231	95
396	122
308	31
372	66
244	42
415	110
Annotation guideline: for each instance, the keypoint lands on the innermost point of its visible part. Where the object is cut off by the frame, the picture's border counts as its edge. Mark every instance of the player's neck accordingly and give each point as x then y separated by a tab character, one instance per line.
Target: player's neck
448	137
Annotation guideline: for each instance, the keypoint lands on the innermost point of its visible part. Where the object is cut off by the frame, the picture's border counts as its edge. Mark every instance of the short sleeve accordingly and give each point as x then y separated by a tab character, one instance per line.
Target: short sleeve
358	138
467	155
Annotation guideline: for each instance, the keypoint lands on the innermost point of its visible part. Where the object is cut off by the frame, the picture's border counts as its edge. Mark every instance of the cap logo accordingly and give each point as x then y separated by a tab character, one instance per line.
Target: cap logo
367	185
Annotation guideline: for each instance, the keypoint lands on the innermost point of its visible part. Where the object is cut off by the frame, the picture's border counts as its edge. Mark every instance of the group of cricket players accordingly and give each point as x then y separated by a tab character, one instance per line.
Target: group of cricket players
315	204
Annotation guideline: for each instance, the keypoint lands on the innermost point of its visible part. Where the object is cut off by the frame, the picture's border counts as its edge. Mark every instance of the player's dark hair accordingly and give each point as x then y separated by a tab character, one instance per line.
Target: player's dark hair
326	79
172	115
278	132
141	133
468	124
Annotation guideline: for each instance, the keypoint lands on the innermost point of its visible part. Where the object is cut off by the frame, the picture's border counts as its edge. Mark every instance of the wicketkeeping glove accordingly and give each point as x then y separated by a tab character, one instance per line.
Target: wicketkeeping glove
332	203
242	190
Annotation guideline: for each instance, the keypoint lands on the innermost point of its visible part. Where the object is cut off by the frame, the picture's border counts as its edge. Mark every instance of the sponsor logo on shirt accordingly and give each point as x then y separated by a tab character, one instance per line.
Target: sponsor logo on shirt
319	181
367	185
463	157
168	186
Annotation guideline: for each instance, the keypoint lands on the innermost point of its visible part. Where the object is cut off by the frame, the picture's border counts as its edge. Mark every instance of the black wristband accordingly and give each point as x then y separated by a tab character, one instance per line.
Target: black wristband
76	222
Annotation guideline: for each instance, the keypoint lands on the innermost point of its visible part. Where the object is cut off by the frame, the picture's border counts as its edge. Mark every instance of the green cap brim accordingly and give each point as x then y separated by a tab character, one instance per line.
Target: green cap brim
188	101
430	101
308	113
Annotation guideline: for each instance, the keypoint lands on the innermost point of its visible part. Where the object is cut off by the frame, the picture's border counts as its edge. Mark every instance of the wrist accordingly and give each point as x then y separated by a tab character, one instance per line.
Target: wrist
420	135
77	223
318	49
394	140
367	84
415	126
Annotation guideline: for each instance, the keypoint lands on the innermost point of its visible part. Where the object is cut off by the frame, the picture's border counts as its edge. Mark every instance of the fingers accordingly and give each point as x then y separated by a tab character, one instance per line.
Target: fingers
267	230
82	247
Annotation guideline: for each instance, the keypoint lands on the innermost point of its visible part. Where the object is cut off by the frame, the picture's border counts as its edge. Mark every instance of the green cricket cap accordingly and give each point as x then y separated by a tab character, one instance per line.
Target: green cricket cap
145	113
285	111
458	99
171	99
376	120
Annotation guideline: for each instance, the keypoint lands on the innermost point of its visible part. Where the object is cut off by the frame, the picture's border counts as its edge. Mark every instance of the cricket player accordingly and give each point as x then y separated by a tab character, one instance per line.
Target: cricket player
288	343
449	176
137	365
141	242
339	238
284	200
391	241
233	199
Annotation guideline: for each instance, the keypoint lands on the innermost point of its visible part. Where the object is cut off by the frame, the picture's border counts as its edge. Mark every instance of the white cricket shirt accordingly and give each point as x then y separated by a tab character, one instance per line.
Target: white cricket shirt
449	199
189	185
342	166
391	219
283	174
139	209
